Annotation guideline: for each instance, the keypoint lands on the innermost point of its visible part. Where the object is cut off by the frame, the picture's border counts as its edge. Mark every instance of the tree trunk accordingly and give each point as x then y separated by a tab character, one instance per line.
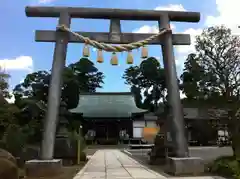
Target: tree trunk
235	135
236	146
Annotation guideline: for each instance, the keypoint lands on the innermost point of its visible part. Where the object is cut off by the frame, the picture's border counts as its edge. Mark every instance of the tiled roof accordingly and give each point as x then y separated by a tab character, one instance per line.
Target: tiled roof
111	105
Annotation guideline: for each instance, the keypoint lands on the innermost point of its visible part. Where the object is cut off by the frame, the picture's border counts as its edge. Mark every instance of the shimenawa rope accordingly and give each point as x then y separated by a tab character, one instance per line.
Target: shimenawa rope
114	48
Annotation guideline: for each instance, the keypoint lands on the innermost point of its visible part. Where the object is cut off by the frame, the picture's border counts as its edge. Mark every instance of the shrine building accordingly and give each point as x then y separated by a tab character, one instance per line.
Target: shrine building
111	118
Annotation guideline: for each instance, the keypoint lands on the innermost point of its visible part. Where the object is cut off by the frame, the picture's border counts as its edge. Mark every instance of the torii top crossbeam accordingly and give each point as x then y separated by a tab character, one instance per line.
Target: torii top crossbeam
103	13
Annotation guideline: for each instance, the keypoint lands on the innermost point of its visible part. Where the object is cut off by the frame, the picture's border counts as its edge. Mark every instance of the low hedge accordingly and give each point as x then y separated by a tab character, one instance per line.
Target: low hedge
226	167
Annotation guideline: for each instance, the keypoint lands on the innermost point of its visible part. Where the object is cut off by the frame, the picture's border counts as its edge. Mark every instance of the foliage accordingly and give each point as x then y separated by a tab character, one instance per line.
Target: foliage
32	94
148	78
211	77
74	138
87	75
214	70
81	76
4	83
14	139
7	116
34	86
226	166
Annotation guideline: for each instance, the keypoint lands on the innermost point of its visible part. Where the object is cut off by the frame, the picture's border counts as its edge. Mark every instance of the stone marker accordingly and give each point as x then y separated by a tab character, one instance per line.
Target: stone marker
43	168
185	166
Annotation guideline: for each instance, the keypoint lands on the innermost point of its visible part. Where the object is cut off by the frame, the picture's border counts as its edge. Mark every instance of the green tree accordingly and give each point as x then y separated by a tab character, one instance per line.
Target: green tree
214	70
87	75
212	76
81	76
4	83
7	111
35	86
147	78
32	94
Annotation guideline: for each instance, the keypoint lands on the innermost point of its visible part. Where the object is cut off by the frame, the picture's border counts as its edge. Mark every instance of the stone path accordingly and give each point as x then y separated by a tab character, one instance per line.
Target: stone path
113	164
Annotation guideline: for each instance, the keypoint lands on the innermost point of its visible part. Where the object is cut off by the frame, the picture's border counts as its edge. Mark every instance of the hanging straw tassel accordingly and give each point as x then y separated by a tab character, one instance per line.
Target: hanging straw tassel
130	58
86	50
144	52
99	56
114	59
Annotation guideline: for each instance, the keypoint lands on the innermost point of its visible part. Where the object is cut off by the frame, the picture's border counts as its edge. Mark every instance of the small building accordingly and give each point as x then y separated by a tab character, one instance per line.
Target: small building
109	118
202	125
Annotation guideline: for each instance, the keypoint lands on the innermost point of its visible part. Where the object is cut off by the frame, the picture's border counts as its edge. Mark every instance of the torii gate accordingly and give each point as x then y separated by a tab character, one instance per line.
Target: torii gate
62	38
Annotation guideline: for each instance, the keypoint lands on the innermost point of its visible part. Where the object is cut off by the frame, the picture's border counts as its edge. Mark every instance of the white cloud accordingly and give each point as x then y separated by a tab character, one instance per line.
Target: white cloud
18	63
182	95
40	2
149	29
171	7
182	51
146	29
155	29
186	48
228	15
45	1
22	80
12	99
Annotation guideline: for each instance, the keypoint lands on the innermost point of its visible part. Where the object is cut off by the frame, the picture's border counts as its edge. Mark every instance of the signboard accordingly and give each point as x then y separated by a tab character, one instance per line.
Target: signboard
149	133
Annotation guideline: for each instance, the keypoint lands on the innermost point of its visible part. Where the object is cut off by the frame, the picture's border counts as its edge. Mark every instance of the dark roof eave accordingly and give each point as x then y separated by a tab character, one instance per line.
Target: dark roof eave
140	112
75	113
97	118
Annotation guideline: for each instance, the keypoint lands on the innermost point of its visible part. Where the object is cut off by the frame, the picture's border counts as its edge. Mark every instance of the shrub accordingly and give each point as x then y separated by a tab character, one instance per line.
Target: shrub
83	157
74	137
226	166
14	140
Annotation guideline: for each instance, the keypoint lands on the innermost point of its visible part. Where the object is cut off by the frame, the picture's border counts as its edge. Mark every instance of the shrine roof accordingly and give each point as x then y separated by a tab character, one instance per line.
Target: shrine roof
107	105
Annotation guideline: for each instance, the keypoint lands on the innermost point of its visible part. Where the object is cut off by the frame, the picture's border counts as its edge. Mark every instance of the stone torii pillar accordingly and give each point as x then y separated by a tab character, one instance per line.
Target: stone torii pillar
177	120
115	36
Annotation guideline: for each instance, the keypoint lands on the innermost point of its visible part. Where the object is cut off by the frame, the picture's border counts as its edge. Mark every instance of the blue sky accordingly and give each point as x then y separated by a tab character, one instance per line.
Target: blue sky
20	54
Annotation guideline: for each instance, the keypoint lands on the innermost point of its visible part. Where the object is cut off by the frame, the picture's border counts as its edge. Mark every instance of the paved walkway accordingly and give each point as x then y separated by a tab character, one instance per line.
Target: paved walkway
113	164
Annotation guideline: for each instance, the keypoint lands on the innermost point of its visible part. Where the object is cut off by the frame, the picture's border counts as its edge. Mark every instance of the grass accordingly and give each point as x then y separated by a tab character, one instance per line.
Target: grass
68	172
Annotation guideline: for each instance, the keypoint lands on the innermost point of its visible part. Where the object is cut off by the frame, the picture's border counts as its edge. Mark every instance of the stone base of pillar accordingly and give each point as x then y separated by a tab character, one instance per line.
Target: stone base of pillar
43	168
192	166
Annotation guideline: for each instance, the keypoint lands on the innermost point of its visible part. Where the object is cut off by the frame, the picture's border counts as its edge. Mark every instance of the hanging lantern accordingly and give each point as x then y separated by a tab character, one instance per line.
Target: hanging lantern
100	56
130	58
114	59
144	52
86	50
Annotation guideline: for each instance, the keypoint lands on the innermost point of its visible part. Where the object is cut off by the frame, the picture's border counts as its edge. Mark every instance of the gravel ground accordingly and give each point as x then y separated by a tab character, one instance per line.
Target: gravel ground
206	153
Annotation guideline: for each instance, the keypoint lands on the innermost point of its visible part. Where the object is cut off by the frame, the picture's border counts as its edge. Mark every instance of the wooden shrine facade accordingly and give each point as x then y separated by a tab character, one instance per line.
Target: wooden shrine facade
109	118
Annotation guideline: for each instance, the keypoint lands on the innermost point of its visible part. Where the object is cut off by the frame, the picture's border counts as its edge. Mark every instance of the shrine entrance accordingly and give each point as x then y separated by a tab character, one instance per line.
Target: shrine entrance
107	132
129	41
